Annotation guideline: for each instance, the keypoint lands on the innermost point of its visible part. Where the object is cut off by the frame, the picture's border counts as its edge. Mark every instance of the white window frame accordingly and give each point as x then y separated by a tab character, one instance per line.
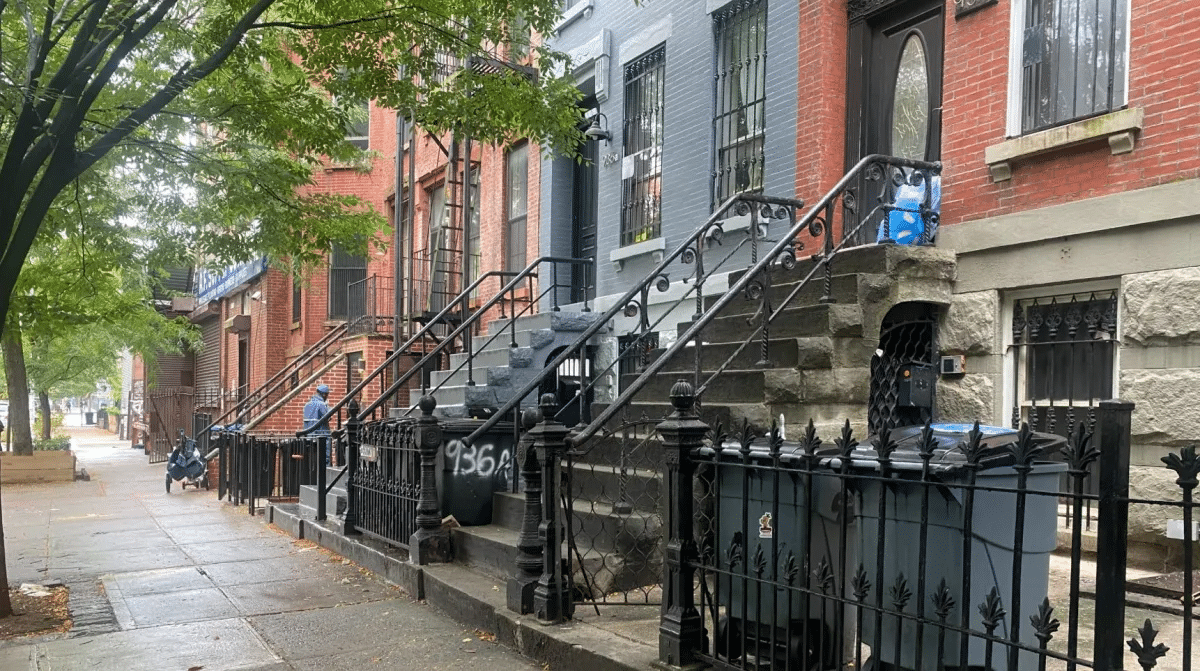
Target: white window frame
1016	38
1009	359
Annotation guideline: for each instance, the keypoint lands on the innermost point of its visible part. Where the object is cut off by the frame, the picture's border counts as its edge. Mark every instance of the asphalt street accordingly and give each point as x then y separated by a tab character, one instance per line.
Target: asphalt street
181	581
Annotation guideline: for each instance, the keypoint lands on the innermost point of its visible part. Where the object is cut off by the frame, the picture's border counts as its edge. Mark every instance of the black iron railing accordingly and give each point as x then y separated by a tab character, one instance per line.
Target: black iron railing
370	306
254	469
298	374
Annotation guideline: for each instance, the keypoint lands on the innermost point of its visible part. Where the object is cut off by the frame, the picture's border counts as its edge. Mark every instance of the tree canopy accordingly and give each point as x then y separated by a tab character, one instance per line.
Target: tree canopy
210	115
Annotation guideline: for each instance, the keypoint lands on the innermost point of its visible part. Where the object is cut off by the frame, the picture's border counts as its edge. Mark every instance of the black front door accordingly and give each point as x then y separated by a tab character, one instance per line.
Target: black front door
895	91
583	222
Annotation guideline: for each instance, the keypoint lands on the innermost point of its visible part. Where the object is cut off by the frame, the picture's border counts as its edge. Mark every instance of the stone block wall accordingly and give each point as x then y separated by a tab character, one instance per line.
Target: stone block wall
1160	373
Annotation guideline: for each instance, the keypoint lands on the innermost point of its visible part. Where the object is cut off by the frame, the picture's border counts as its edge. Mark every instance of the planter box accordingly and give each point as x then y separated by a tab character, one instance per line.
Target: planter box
48	466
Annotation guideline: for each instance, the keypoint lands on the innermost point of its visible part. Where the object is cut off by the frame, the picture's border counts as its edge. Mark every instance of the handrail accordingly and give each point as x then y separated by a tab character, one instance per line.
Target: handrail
689	246
818	221
462	297
278	378
812	221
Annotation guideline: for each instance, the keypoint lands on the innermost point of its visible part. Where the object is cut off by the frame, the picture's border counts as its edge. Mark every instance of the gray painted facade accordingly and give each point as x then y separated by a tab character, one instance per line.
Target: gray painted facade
602	36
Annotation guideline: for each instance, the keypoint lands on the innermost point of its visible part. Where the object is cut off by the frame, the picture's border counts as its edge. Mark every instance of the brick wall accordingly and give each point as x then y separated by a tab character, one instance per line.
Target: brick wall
1163	80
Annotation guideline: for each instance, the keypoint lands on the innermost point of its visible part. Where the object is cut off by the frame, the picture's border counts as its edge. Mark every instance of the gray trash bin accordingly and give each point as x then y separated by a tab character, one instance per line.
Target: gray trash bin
992	531
752	515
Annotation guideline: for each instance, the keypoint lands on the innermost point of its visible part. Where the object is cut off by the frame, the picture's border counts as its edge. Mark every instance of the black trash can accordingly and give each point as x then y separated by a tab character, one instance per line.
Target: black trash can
767	515
992	520
89	417
468	476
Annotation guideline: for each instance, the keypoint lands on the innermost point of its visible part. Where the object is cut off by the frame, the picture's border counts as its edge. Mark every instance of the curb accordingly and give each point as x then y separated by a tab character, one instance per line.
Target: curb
475	601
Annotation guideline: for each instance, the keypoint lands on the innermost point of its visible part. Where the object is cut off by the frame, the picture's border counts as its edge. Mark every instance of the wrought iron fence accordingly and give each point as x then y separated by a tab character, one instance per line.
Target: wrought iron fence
255	469
387	482
811	554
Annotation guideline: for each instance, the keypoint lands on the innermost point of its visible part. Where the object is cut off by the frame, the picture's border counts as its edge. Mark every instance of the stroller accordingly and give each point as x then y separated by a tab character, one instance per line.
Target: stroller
187	464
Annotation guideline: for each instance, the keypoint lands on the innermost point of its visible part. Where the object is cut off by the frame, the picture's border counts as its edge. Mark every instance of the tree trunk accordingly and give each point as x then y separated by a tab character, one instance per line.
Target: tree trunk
5	603
18	390
44	409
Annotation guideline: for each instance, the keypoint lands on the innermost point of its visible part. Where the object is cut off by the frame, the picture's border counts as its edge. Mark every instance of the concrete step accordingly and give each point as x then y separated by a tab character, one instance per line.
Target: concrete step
843	289
562	320
836	319
515	357
618	551
335	501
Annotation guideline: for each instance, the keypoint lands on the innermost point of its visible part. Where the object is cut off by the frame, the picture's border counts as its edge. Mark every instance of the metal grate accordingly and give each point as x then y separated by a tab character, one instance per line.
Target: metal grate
1073	63
740	34
1064	351
344	270
641	190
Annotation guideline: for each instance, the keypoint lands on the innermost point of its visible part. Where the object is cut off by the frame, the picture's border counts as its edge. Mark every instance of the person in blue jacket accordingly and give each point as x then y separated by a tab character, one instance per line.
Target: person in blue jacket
314	410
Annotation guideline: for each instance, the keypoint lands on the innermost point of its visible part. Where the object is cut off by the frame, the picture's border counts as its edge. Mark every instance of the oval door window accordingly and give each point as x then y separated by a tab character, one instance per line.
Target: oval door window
910	106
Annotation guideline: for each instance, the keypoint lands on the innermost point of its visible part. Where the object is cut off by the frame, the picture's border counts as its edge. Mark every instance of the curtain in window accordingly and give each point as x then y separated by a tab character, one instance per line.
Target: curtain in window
740	97
517	207
1073	63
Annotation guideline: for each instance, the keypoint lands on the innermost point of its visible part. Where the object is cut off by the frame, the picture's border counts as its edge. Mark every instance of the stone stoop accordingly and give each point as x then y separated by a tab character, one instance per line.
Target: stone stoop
335	500
819	361
498	368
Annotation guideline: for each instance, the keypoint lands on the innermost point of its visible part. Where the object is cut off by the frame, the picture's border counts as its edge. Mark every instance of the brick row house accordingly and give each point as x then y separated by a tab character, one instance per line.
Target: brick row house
1067	135
1065	131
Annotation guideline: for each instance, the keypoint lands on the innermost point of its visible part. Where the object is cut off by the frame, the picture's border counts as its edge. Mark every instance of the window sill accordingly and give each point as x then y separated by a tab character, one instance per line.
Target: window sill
654	247
1119	128
583	8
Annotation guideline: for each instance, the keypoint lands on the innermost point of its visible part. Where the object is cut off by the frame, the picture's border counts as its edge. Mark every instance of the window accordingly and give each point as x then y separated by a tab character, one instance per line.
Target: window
345	270
1072	60
516	207
358	128
641	188
1064	351
295	300
740	36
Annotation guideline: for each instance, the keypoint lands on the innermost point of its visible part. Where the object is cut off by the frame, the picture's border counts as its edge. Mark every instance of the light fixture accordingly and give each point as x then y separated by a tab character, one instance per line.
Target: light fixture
595	132
256	295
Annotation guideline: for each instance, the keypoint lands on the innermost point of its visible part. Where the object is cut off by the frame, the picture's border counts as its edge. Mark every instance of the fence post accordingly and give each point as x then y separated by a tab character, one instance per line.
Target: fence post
430	543
529	547
322	475
353	426
551	596
680	632
1111	534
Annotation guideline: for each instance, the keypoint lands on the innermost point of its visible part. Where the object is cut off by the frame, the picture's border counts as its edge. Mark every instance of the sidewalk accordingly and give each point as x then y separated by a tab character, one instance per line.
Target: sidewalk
183	581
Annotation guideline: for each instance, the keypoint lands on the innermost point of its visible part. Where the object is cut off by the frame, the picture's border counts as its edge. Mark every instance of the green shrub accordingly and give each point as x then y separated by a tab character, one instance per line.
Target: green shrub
54	443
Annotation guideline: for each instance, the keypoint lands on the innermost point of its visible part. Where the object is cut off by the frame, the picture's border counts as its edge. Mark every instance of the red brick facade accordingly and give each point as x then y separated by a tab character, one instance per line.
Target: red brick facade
1164	46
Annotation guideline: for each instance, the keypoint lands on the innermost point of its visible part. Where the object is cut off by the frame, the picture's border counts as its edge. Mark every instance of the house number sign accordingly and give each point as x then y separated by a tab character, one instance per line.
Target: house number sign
964	7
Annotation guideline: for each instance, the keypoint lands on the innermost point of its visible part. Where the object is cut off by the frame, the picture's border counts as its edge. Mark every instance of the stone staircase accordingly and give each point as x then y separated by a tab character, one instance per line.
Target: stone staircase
500	369
819	368
819	364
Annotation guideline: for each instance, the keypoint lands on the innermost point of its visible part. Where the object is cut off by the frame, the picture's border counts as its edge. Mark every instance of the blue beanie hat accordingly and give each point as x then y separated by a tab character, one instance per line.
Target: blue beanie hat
323	389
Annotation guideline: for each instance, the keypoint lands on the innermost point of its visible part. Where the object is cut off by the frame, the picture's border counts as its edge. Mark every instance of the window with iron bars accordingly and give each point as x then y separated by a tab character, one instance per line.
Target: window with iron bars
641	188
1064	359
345	269
739	91
1073	60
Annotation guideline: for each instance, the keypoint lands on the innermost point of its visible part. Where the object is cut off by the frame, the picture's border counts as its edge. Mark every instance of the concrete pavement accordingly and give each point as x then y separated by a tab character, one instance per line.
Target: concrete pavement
183	581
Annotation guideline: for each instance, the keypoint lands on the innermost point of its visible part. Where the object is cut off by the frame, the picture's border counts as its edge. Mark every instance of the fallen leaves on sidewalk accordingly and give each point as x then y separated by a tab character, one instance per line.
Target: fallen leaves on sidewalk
36	615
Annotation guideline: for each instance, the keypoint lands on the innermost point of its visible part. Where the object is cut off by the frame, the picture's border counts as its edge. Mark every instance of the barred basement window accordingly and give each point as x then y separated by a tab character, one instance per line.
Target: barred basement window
345	269
641	189
1064	359
740	35
1073	62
